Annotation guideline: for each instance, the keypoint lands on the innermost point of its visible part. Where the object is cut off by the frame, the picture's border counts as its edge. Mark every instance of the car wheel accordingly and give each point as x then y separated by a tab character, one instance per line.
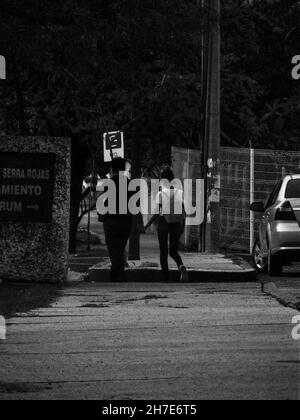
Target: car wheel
275	265
260	262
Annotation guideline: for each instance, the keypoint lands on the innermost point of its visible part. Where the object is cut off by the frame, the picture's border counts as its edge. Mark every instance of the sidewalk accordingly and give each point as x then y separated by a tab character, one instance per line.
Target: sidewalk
202	267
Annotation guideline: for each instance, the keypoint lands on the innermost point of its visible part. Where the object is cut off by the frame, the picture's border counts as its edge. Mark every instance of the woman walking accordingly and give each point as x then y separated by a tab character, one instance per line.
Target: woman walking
170	215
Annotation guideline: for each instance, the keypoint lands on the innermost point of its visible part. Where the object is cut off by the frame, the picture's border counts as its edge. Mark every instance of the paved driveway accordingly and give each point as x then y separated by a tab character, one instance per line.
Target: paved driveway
153	341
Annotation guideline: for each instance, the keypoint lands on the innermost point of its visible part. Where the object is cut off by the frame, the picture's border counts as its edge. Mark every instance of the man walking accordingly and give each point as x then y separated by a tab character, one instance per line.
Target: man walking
117	225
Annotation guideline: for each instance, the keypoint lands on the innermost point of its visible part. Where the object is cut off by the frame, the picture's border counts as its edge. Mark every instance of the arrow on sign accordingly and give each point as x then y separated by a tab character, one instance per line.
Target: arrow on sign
33	207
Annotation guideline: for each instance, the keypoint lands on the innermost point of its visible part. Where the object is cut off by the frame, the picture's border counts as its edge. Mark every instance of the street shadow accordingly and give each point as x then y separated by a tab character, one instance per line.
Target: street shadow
20	298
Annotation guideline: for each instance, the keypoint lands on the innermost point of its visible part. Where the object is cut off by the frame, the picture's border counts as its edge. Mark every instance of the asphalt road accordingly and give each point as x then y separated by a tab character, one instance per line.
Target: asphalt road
153	341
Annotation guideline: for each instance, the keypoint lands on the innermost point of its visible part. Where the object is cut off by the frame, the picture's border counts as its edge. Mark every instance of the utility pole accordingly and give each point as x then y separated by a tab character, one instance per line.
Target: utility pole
134	241
211	69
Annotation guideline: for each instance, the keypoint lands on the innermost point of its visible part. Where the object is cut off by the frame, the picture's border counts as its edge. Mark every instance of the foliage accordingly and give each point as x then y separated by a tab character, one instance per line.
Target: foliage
79	68
260	99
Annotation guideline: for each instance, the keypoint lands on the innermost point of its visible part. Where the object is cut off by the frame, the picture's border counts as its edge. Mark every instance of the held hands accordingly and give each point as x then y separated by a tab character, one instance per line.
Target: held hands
143	230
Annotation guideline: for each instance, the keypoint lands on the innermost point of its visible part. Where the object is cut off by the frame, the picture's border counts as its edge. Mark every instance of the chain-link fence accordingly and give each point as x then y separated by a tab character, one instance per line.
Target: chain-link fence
246	175
187	165
235	199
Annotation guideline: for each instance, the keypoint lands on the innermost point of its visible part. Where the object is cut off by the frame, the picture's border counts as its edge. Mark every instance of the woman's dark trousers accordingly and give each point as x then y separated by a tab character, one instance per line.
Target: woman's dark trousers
169	234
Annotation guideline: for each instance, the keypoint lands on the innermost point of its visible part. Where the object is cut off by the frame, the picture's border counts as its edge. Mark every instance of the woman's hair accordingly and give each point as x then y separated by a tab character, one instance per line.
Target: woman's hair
167	173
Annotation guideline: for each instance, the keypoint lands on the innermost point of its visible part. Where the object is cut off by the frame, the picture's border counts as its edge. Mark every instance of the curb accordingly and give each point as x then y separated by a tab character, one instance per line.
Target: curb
75	278
153	275
284	298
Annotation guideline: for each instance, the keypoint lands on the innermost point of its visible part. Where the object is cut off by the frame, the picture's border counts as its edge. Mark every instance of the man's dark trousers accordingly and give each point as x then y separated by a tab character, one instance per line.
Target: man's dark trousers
117	233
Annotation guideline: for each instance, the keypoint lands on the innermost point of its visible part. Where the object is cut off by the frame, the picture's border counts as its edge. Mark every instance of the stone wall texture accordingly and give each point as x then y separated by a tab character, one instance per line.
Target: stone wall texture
37	252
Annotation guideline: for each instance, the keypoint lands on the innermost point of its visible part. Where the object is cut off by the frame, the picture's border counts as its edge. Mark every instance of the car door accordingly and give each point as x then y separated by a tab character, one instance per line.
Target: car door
266	218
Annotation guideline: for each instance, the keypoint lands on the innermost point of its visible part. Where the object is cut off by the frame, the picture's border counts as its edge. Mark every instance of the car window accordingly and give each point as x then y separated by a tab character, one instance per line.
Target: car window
274	195
293	189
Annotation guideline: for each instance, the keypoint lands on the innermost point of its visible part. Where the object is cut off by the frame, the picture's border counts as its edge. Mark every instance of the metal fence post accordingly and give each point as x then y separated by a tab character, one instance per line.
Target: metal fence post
252	196
186	233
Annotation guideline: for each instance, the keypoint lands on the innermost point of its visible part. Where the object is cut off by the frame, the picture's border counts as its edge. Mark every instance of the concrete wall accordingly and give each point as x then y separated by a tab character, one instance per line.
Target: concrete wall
36	251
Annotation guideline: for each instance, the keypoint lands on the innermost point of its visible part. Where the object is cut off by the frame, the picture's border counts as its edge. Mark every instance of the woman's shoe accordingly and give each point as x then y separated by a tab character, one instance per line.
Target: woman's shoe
184	278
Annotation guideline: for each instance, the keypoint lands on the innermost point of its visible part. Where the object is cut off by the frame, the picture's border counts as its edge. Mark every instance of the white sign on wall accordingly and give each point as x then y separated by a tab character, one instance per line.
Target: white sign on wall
113	145
2	328
2	68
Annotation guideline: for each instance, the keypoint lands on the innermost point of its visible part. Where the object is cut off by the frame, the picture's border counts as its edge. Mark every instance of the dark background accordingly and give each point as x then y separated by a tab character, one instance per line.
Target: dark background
80	68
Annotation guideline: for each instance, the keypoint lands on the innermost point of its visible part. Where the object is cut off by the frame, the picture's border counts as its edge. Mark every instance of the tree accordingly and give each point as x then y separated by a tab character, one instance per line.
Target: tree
79	68
259	96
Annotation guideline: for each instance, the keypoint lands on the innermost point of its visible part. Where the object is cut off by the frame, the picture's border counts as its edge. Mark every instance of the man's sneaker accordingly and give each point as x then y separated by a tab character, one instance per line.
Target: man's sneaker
184	274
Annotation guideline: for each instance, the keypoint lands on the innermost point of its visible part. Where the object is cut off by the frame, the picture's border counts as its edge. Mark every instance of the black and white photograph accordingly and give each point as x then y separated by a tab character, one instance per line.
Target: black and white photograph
149	203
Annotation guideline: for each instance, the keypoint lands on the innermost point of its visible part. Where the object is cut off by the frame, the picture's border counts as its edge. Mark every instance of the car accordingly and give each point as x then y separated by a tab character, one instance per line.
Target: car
278	244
